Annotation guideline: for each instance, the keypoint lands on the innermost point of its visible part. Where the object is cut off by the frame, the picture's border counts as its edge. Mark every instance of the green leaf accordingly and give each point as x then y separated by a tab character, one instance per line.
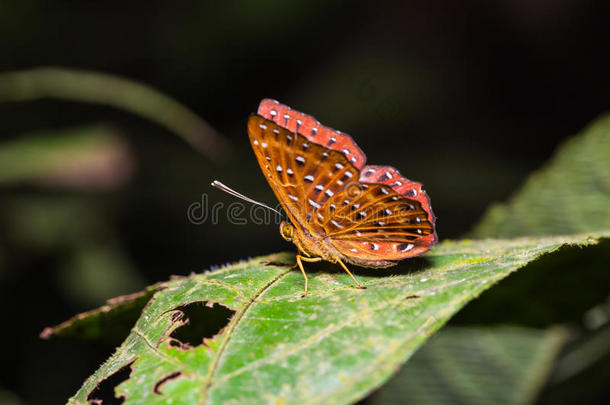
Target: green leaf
333	346
100	88
109	323
93	156
570	195
582	372
476	365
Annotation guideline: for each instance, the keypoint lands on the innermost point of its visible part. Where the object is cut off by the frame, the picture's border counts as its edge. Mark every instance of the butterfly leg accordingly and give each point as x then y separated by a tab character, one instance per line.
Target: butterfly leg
300	265
350	274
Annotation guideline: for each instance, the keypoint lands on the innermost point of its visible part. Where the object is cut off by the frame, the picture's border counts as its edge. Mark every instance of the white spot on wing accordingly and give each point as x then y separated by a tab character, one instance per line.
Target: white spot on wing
293	197
313	203
309	178
405	248
335	223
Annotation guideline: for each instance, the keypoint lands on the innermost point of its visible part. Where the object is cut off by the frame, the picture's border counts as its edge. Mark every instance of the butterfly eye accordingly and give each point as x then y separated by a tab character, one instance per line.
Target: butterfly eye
287	231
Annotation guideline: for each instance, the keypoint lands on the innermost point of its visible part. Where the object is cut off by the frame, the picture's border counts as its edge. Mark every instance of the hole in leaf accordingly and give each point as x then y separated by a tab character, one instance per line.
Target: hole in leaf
200	320
104	392
165	380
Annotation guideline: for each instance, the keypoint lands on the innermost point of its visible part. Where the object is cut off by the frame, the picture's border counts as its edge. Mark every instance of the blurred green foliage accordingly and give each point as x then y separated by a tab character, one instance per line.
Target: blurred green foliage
571	194
101	88
94	156
476	365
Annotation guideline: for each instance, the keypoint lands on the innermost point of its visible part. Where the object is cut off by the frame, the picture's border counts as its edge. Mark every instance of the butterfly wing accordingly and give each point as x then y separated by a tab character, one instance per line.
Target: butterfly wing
302	174
407	188
309	127
373	225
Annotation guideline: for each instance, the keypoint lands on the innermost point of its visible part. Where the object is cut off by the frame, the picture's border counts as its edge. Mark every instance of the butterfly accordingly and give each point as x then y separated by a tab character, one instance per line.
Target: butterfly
339	209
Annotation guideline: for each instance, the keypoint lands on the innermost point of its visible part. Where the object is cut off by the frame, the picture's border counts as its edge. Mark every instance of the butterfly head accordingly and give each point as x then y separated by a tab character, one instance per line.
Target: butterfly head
287	231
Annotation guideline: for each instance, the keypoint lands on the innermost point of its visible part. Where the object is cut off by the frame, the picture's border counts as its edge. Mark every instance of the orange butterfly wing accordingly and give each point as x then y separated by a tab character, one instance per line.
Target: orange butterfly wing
375	226
302	174
371	215
308	126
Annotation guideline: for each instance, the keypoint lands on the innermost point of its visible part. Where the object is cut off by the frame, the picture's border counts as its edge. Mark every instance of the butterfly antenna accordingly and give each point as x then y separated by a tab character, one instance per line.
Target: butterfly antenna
234	193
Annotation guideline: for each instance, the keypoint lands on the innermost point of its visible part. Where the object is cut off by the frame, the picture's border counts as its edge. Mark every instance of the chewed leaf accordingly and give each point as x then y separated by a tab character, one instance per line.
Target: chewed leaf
332	347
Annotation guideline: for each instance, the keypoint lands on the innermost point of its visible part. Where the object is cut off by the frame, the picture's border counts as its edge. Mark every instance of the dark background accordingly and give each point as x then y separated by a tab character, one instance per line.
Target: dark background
466	97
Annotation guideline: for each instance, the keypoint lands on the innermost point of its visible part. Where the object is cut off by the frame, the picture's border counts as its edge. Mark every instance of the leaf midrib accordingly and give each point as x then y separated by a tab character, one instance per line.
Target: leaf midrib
230	328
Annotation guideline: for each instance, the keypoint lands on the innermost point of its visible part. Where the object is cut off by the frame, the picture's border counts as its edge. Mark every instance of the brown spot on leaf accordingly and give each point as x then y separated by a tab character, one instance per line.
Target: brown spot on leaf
104	392
164	380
